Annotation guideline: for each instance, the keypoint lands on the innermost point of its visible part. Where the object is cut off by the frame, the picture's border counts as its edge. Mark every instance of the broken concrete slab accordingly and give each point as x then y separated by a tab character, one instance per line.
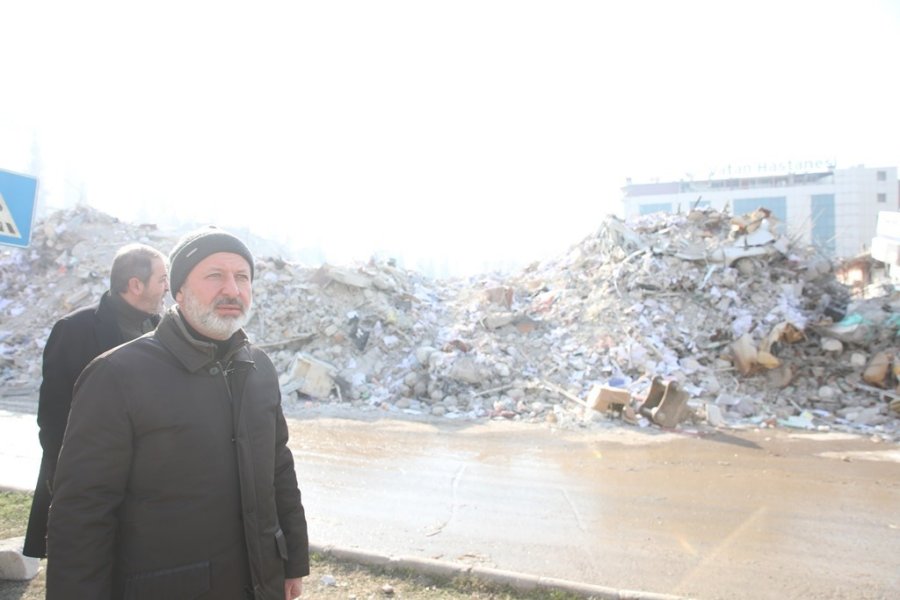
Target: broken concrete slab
602	397
309	376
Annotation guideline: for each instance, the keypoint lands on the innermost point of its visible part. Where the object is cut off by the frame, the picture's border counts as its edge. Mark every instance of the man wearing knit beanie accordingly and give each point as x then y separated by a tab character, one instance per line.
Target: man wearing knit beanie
221	316
175	479
197	245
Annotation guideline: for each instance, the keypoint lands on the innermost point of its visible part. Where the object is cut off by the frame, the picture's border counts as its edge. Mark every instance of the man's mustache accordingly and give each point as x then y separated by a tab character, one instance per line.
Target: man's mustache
230	302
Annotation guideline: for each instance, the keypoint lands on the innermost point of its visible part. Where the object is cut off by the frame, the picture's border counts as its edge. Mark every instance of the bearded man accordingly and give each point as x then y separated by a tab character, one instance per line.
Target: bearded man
175	479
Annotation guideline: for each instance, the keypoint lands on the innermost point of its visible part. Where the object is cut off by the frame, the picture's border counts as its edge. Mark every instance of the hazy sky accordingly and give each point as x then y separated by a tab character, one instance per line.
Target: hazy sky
447	133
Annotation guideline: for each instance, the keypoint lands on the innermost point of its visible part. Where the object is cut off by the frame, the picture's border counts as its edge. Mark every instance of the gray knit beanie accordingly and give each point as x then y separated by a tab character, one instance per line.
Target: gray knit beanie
197	245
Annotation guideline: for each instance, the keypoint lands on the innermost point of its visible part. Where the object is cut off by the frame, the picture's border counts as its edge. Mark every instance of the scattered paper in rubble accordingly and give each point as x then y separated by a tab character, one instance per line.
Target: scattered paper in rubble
752	328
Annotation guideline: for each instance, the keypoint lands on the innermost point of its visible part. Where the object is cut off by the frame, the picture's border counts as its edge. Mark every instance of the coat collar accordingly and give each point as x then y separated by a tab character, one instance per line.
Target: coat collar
105	312
108	333
195	354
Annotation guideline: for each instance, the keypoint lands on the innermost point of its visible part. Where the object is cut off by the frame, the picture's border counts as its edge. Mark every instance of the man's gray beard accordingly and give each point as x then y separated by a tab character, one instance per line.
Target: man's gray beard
207	322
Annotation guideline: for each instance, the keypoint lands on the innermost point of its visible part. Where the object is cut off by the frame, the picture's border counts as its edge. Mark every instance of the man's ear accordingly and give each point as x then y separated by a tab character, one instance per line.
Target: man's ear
135	286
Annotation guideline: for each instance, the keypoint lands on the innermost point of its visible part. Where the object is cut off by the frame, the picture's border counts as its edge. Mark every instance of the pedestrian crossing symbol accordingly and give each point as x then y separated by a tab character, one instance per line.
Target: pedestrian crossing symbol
17	198
7	223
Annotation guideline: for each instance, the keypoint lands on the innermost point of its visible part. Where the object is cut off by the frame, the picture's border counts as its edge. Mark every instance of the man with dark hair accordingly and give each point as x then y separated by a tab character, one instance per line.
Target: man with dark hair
175	479
132	306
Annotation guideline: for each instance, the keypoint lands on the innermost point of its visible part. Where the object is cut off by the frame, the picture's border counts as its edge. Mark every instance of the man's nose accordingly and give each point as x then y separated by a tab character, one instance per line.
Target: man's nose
230	286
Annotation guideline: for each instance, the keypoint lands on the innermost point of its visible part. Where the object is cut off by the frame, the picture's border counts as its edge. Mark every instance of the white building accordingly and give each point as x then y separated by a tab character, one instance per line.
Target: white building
886	243
833	209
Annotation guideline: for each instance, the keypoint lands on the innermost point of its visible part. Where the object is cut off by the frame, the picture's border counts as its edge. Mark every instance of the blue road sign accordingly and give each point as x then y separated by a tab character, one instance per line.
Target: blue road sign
17	197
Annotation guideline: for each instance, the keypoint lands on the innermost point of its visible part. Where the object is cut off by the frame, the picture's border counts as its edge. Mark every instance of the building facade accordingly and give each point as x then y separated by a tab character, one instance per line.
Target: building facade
834	209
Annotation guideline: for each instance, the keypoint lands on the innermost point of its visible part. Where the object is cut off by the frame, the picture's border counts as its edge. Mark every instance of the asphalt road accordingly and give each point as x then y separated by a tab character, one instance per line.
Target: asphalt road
728	514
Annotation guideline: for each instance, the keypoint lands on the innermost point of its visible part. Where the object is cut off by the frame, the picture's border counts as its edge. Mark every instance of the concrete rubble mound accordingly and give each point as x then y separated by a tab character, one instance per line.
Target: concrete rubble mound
698	320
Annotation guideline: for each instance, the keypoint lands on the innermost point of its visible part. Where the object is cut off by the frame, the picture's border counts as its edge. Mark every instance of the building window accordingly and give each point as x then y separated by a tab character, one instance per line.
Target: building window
648	209
882	175
824	224
882	198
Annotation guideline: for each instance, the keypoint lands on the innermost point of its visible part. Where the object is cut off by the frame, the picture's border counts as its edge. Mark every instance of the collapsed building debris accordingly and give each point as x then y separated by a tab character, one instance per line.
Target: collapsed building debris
670	321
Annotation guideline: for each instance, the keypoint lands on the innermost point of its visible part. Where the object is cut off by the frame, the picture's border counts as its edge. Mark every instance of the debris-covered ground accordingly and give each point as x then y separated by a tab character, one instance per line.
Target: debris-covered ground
687	321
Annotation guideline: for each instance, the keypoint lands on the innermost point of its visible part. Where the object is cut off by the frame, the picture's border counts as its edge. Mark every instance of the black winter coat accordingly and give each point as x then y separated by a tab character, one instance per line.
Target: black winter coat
175	479
74	341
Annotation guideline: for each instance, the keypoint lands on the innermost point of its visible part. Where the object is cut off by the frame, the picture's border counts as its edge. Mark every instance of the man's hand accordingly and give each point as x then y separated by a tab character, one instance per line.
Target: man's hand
293	588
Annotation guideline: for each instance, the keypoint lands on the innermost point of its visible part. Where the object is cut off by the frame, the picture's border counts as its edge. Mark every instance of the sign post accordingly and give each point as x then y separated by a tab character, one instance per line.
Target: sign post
17	199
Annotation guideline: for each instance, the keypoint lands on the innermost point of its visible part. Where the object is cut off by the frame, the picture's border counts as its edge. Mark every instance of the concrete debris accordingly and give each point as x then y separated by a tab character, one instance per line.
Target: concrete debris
714	415
832	345
13	564
604	397
309	376
879	369
723	322
746	355
327	274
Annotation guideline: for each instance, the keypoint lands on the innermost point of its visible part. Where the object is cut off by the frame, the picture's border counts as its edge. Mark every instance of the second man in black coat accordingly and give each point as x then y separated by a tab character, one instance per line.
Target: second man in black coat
132	306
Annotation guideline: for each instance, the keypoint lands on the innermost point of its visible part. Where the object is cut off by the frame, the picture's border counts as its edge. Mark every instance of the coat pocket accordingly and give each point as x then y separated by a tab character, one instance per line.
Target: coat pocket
181	583
281	543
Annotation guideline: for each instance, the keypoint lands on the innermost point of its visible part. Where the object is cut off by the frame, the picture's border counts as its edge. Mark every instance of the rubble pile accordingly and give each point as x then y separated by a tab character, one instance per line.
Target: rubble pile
695	320
753	328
